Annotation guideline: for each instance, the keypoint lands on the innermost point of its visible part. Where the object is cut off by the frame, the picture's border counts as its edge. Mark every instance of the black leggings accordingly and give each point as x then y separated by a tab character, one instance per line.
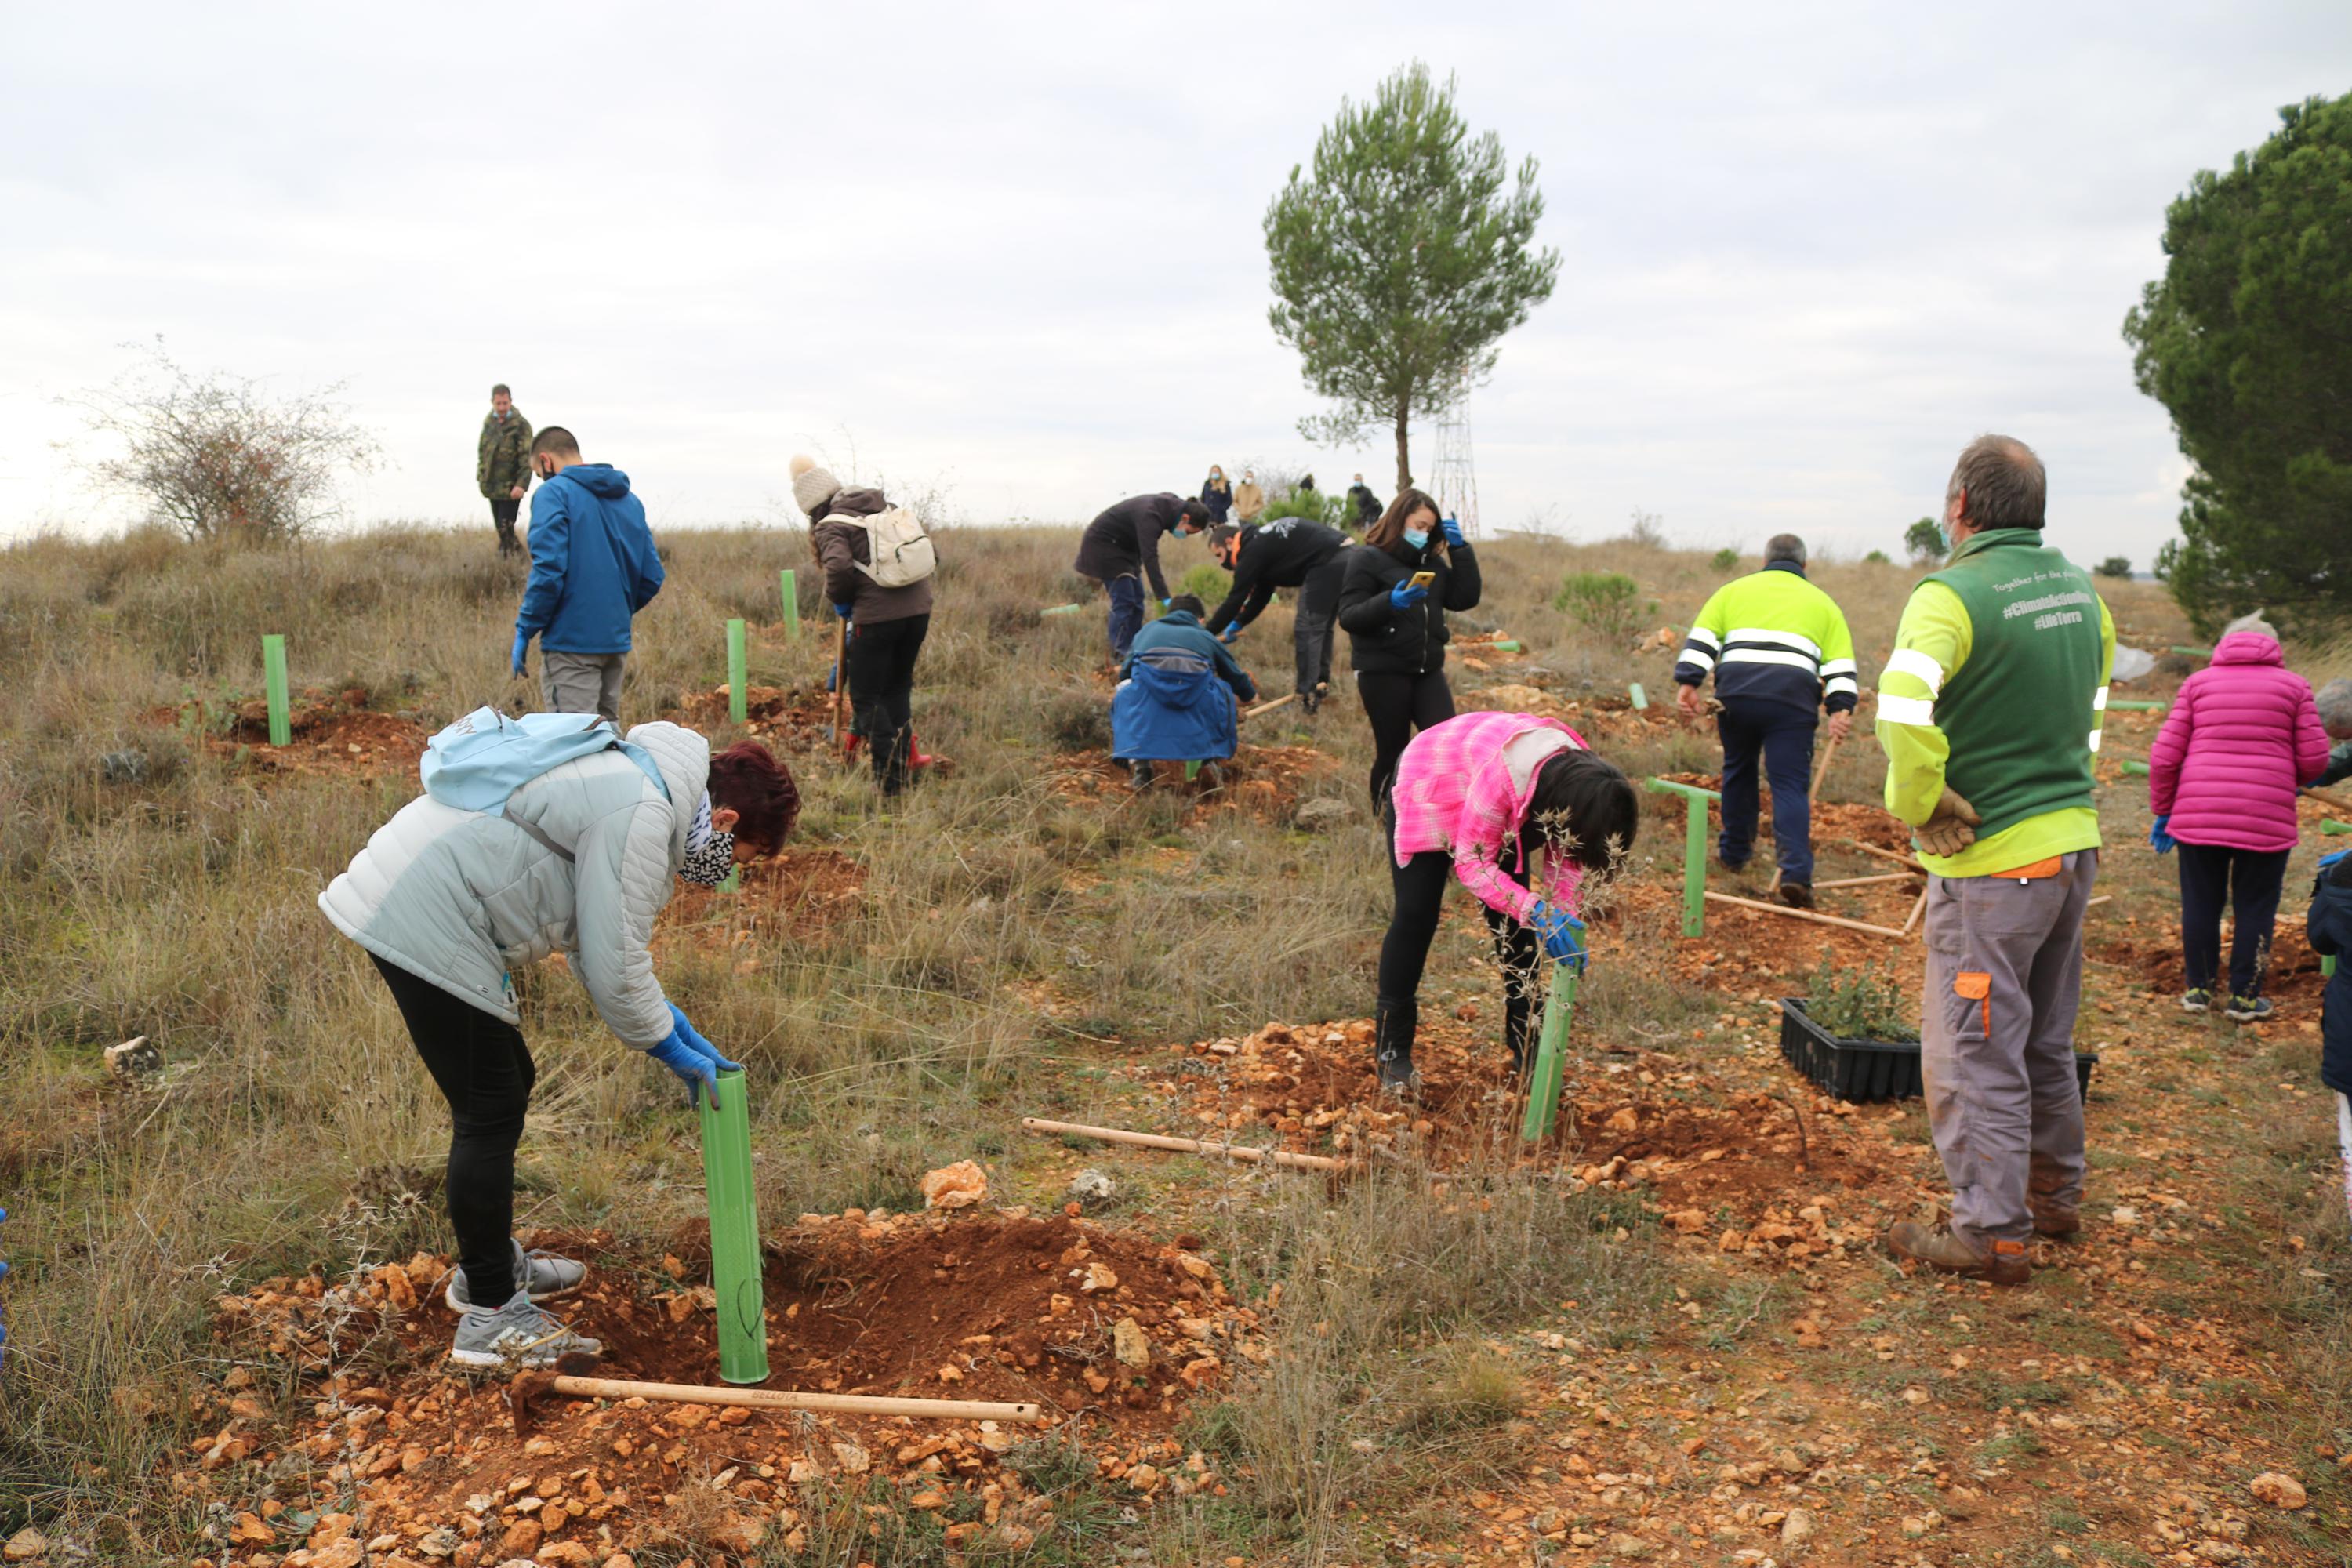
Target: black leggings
485	1073
1397	705
1420	886
881	691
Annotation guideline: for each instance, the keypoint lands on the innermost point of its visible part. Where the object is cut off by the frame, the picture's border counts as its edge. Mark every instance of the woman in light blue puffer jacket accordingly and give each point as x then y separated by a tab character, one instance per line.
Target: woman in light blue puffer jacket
448	902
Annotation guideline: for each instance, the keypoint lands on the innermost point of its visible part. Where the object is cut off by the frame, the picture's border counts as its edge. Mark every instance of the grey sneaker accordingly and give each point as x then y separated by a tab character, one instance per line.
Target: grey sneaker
2247	1009
544	1275
2196	999
516	1334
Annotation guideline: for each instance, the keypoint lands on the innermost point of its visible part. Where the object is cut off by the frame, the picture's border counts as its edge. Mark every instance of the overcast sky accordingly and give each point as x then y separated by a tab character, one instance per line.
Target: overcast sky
1013	253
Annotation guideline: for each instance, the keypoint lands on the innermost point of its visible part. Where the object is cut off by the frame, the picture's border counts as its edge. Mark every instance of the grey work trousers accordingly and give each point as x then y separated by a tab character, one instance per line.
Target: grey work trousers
582	682
1997	1044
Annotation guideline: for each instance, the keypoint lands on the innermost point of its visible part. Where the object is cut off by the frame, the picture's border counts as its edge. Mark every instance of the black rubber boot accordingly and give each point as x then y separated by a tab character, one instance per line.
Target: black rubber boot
1139	775
1393	1025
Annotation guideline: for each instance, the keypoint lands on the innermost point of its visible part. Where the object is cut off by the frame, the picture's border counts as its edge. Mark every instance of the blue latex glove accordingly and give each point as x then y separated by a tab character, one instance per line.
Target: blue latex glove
1232	634
1452	532
692	1058
1165	603
1407	594
522	650
843	610
1562	933
2158	837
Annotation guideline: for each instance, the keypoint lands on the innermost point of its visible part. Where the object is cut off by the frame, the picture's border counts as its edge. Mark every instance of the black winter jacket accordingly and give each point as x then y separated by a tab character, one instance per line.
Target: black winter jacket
1125	539
1277	556
1368	505
1388	641
2329	929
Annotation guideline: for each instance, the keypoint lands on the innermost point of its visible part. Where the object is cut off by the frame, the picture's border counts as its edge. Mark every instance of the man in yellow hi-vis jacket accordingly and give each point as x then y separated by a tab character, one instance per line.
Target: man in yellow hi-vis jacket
1989	712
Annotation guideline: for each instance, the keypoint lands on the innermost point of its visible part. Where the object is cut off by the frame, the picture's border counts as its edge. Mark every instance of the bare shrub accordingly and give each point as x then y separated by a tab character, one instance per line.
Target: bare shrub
218	457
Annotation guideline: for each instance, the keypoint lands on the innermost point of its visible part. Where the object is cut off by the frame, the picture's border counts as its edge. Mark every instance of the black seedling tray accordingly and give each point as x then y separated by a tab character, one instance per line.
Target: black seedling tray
1868	1069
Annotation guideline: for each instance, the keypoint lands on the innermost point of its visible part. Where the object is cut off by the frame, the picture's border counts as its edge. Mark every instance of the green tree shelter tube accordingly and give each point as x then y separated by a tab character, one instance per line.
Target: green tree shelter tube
1551	1057
273	681
788	590
1694	801
734	1233
737	696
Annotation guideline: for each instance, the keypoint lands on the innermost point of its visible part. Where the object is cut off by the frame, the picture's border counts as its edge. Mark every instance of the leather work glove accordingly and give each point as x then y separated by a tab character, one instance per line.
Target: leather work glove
693	1058
1950	828
1562	933
522	652
1407	594
1452	530
2161	840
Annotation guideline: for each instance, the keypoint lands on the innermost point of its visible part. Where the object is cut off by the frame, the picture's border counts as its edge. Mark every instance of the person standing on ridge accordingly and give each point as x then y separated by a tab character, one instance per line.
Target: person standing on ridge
592	568
1121	548
1288	553
1778	650
1394	592
1367	504
1218	491
502	464
1989	711
1249	497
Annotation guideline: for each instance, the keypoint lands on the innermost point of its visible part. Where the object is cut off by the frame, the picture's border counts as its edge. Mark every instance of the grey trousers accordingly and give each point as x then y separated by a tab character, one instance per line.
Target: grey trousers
582	682
1997	1044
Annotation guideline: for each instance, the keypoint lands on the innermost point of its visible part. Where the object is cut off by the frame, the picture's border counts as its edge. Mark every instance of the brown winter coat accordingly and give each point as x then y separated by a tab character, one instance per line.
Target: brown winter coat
1249	500
841	546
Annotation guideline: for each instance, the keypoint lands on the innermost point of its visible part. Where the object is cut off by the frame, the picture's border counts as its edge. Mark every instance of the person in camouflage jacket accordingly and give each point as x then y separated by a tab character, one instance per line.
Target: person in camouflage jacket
502	464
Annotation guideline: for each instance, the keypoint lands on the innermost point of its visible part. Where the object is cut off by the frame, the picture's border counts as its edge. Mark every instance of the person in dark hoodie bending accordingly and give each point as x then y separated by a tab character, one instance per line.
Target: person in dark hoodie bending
1289	554
887	625
1396	627
592	568
1121	547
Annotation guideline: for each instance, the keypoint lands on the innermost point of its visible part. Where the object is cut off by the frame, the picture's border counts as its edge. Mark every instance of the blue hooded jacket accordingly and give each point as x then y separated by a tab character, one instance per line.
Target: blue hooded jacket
1171	705
593	564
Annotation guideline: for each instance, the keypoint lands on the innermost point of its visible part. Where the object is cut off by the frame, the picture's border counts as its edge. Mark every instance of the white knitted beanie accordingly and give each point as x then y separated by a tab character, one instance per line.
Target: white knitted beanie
812	486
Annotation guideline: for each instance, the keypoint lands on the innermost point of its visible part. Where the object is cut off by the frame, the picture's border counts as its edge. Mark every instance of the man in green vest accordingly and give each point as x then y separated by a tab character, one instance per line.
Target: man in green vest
1989	712
502	464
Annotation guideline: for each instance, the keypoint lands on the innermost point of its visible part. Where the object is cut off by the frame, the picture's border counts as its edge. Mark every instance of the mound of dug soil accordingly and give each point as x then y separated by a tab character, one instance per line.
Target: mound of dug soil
1264	782
1109	1331
796	892
799	718
334	738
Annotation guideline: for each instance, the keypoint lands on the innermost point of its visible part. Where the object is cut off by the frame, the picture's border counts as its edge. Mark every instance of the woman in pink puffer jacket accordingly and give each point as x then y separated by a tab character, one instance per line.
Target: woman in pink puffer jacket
2242	737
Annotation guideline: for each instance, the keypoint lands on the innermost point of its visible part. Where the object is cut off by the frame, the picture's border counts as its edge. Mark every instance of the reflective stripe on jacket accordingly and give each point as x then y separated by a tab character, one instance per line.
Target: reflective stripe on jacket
1772	636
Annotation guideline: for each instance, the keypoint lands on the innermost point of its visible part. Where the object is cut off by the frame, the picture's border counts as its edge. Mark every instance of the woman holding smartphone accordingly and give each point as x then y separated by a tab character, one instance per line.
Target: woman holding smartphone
1411	568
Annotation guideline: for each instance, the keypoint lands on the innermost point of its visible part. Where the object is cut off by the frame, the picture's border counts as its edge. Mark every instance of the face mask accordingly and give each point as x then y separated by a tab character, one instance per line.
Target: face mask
1417	537
709	865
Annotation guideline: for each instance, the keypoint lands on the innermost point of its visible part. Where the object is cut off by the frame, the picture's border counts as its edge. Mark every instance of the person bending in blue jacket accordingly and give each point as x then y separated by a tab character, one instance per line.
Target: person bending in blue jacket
1170	705
593	567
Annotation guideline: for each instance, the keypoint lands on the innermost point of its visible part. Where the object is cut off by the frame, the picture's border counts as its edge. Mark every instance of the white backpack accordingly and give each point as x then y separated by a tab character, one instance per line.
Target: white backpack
898	549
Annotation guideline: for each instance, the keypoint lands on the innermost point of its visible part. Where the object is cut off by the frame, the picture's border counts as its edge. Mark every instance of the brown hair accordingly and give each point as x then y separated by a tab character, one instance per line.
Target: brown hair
1385	534
748	780
556	442
2004	483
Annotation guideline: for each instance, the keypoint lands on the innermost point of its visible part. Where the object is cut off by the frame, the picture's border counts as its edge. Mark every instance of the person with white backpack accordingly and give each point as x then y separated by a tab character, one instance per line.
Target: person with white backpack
551	833
878	562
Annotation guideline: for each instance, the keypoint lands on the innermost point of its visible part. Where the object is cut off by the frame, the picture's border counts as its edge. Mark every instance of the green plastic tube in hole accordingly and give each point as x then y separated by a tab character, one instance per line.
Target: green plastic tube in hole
736	696
273	680
788	590
734	1232
1551	1065
2137	769
1641	699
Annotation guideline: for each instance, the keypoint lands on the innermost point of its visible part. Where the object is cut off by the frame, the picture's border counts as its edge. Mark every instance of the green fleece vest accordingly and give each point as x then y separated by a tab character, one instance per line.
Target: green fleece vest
2019	710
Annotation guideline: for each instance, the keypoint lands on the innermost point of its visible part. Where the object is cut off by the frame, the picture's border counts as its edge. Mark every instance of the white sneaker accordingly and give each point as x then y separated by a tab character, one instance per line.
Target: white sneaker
544	1275
518	1334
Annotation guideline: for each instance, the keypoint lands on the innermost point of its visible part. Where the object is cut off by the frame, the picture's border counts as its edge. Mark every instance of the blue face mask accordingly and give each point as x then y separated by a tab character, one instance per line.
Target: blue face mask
1417	537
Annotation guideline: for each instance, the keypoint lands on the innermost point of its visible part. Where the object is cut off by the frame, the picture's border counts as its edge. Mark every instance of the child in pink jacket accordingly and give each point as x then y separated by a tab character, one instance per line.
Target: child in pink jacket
1473	797
2242	737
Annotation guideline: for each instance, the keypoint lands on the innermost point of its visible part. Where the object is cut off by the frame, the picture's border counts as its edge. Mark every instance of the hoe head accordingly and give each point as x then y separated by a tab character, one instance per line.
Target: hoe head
527	1388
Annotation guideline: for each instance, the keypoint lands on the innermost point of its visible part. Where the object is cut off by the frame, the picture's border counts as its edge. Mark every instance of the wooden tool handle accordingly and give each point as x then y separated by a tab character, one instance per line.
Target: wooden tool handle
1186	1145
1822	771
1796	914
1269	707
791	1399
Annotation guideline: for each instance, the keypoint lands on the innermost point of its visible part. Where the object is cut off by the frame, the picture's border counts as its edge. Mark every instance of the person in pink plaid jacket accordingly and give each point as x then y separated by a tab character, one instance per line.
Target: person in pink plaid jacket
1472	800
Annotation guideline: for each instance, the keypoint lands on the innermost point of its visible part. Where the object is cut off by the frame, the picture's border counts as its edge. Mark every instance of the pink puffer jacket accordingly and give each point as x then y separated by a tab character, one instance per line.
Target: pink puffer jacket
2241	736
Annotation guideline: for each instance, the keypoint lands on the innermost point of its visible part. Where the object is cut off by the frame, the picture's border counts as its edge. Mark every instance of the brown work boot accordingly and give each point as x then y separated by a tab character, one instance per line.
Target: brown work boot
2051	1218
1935	1246
1797	895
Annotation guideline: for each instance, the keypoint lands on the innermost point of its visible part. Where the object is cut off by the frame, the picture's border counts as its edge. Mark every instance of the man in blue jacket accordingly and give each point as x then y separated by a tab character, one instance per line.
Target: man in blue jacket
593	566
1177	694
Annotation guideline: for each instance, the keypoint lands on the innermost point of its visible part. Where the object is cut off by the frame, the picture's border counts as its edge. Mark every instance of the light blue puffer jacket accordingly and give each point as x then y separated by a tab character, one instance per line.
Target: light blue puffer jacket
461	898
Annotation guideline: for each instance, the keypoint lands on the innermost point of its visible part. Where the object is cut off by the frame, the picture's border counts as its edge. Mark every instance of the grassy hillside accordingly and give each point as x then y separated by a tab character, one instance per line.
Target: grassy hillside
1017	937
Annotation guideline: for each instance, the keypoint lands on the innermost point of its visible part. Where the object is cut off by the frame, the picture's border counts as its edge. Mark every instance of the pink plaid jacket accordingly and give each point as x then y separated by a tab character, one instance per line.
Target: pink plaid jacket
1455	791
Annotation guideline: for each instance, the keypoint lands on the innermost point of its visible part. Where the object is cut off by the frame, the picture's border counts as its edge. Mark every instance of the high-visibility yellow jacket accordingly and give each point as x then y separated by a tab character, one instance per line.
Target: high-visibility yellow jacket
1772	636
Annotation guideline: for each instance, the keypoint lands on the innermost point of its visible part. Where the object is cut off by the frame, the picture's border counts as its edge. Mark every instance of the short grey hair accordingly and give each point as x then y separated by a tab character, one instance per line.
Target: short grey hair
2254	624
2004	482
2334	701
1785	547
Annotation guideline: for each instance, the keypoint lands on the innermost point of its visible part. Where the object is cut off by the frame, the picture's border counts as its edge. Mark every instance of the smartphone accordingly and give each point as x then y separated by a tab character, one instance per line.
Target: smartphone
1424	579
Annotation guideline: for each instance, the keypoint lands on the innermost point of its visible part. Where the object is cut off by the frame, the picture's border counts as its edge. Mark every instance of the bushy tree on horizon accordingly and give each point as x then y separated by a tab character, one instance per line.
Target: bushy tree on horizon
2114	566
2247	341
1401	260
1924	542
